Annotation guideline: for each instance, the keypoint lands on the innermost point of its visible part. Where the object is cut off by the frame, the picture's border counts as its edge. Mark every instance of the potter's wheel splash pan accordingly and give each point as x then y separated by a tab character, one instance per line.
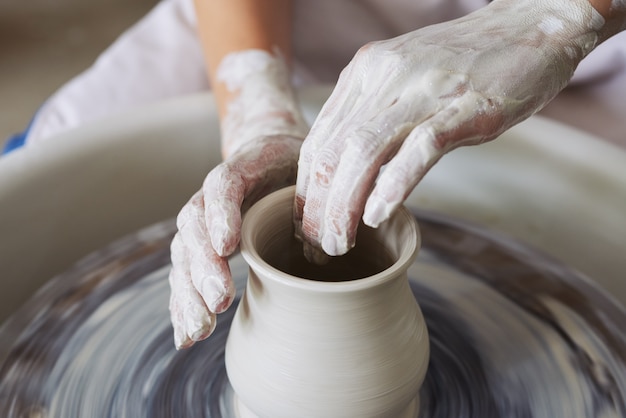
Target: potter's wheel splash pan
513	334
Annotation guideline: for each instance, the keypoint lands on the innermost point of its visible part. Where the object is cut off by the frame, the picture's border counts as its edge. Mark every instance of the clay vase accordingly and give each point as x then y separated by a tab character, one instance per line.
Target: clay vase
346	339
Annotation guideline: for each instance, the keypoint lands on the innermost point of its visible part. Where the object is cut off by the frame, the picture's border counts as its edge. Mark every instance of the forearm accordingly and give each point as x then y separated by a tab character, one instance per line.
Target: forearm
609	9
227	26
614	14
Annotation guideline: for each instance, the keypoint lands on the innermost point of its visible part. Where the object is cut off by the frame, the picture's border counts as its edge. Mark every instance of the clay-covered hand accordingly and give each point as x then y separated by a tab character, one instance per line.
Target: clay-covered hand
261	137
403	103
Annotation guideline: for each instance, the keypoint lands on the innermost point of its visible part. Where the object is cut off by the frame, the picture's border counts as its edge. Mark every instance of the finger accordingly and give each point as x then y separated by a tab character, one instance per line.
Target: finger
321	154
365	151
302	183
190	317
209	273
329	121
322	173
233	186
272	168
312	252
456	125
224	191
211	277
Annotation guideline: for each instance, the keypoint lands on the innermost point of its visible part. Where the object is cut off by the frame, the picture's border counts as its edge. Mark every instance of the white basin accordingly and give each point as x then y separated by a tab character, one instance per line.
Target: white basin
546	184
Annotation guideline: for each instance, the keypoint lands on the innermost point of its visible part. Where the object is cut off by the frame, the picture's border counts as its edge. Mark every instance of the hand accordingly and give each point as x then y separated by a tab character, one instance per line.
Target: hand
403	103
209	228
262	135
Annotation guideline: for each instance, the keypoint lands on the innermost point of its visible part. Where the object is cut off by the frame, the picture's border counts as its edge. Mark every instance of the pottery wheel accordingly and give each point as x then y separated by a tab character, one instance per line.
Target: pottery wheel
513	334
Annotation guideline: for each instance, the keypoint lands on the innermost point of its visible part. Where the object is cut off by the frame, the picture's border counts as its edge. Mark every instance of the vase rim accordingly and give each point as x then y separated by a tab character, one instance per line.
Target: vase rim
258	264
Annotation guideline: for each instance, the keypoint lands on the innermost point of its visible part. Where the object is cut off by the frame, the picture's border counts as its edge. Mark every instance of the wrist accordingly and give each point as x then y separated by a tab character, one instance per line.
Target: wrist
608	8
614	14
602	6
259	99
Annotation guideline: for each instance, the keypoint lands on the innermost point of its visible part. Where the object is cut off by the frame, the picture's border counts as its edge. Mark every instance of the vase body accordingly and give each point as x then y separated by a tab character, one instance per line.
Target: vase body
308	347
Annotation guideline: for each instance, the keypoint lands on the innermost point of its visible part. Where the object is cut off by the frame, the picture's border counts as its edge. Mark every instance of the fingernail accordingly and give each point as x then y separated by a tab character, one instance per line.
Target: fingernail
220	303
200	325
216	292
335	245
376	211
219	238
199	335
180	340
203	332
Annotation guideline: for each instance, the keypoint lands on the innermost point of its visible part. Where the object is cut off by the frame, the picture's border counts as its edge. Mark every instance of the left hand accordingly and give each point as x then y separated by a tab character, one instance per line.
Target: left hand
209	227
262	133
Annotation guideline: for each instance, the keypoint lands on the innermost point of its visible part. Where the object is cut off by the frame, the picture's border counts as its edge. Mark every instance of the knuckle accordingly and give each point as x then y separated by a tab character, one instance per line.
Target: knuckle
306	149
380	52
324	167
365	143
183	216
369	49
215	176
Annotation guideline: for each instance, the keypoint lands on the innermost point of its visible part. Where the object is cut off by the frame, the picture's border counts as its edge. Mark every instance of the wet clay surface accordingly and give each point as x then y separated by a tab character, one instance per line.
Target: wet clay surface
513	334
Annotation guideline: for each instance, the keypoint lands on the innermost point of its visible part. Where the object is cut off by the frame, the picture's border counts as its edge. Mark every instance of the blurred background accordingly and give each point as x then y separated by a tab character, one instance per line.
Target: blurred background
44	43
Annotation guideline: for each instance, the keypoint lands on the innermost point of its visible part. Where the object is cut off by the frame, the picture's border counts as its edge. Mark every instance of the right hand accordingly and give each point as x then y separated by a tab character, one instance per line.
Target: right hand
401	104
